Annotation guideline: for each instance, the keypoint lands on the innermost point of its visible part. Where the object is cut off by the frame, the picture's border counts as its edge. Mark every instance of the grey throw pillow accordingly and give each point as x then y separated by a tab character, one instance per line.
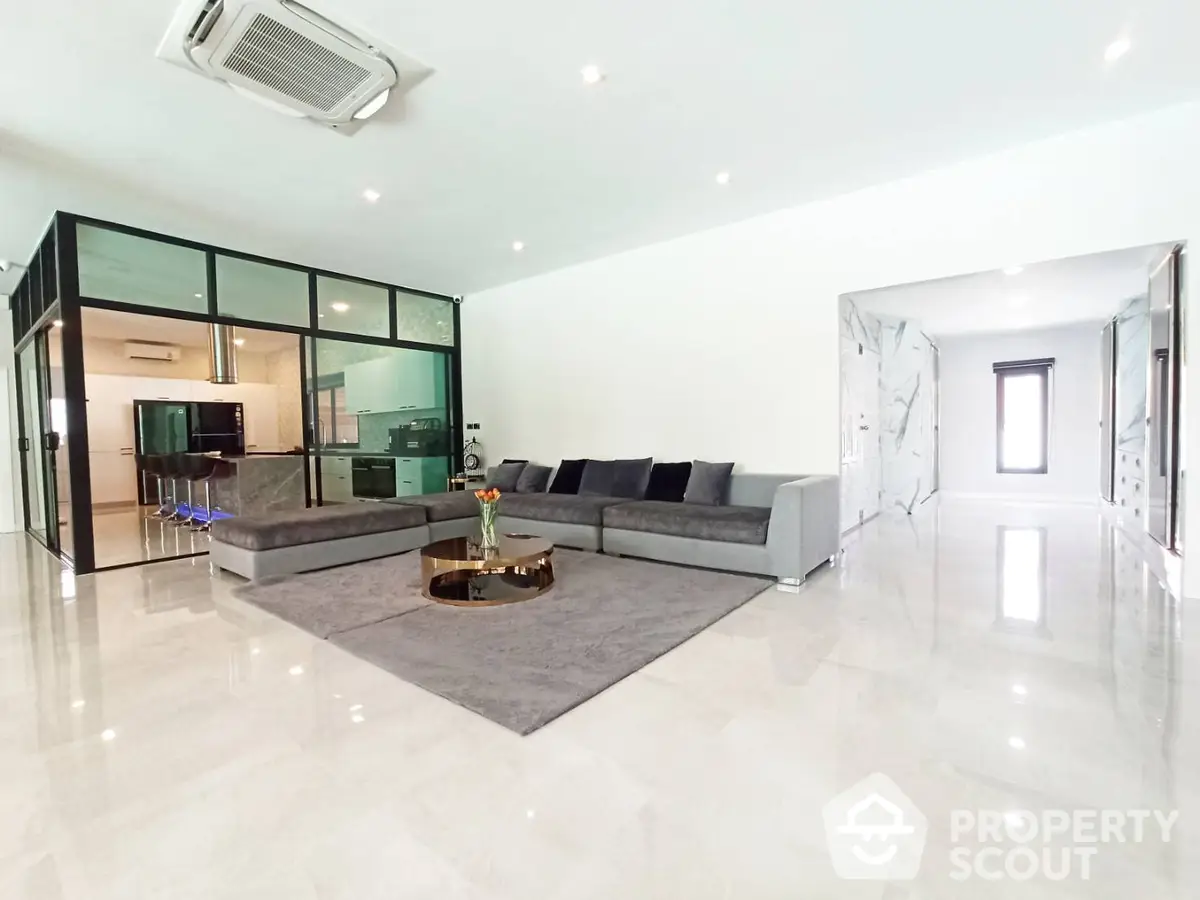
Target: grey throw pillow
598	478
533	479
504	477
631	478
708	483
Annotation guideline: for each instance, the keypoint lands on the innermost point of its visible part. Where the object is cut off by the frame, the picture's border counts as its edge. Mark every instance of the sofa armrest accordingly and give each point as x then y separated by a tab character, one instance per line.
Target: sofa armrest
804	530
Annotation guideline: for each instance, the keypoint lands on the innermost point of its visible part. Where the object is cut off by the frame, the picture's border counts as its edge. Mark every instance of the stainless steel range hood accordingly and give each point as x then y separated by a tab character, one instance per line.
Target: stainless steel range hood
222	355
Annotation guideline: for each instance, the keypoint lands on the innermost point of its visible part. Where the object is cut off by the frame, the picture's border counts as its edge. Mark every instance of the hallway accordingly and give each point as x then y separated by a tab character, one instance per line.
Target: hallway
161	738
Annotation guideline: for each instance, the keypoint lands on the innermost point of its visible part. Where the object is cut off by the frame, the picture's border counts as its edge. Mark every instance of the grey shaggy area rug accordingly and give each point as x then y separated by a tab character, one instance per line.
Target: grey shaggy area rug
520	665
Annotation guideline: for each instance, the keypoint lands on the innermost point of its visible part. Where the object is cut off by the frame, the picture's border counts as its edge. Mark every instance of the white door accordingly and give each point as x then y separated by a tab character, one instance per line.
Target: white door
260	408
861	467
114	477
110	413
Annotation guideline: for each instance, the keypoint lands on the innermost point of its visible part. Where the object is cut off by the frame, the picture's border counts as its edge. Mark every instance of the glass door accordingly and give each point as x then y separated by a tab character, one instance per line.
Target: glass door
38	444
58	466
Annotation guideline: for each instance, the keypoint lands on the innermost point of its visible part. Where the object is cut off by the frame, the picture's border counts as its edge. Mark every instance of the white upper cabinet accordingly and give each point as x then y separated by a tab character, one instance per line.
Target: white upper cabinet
369	387
401	380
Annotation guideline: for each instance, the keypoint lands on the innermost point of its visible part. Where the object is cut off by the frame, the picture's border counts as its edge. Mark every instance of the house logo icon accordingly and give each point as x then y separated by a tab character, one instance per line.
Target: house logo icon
875	832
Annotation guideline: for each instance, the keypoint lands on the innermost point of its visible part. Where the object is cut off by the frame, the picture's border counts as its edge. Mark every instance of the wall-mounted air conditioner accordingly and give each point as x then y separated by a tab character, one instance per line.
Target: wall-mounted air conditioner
291	58
143	350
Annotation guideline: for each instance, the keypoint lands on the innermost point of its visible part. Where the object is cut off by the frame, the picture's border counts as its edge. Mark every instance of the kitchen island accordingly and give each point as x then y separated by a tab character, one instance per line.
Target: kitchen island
258	484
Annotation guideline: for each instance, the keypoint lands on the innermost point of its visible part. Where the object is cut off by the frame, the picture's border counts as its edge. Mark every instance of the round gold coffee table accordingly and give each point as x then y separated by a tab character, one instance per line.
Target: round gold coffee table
459	572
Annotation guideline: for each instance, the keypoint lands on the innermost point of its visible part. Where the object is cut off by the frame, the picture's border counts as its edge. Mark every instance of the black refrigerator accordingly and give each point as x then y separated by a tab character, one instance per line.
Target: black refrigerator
162	427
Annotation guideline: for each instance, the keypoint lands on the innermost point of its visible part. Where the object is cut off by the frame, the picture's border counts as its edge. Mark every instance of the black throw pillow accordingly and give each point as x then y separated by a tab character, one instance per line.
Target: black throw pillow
570	473
668	481
598	478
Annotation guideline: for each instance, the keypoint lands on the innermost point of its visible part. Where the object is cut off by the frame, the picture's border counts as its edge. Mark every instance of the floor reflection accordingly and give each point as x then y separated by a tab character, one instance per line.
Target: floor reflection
158	732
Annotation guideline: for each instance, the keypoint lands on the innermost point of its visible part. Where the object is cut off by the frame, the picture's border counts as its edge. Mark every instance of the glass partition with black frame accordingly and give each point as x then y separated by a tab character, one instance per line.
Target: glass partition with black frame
33	462
376	370
58	457
380	421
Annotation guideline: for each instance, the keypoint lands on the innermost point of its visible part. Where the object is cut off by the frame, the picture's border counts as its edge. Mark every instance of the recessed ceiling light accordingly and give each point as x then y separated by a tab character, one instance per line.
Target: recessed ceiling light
107	734
78	704
591	74
239	342
339	306
1016	743
722	178
518	246
296	670
1014	270
357	719
1116	49
58	323
1020	690
371	195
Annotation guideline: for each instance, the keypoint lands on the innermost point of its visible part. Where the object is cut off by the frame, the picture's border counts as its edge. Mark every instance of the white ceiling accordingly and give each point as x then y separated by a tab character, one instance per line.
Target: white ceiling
1081	289
798	99
111	325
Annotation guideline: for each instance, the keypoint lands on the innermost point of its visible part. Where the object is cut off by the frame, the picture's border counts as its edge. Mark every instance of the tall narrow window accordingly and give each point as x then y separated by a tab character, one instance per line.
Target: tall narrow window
1023	416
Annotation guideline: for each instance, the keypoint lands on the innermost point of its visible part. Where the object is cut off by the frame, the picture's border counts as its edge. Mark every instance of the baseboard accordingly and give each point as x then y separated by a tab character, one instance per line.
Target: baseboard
119	506
1056	499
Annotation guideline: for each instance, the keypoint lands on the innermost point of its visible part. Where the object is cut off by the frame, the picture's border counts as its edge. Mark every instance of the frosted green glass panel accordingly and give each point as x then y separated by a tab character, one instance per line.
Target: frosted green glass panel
262	293
424	319
128	269
352	306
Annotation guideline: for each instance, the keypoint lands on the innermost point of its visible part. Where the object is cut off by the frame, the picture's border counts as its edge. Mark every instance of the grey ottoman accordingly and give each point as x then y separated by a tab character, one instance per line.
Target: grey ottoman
282	543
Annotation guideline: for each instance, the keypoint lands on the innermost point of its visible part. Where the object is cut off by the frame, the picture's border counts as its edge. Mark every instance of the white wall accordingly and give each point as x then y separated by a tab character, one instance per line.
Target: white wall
968	420
723	344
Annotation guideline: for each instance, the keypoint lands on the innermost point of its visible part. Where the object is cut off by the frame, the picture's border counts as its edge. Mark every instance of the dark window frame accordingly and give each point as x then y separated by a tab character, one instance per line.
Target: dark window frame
1003	371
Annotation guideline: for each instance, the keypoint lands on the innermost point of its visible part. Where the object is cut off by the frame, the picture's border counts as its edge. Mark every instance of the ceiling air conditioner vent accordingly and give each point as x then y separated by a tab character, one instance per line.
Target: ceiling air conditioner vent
291	58
273	55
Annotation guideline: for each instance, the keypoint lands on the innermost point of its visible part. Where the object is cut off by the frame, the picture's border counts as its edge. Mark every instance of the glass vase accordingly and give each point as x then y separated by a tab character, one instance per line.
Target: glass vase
487	526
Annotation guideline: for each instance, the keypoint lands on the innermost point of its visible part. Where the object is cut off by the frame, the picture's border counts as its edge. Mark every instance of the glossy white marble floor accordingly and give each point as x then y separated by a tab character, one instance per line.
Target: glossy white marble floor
132	535
161	739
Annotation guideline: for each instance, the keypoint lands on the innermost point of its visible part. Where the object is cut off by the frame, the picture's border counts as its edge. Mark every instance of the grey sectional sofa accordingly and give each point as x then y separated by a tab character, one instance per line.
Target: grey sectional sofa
782	526
778	525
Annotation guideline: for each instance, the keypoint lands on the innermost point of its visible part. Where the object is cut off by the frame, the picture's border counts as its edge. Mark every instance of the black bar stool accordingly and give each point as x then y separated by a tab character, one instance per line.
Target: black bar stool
155	467
174	470
201	468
